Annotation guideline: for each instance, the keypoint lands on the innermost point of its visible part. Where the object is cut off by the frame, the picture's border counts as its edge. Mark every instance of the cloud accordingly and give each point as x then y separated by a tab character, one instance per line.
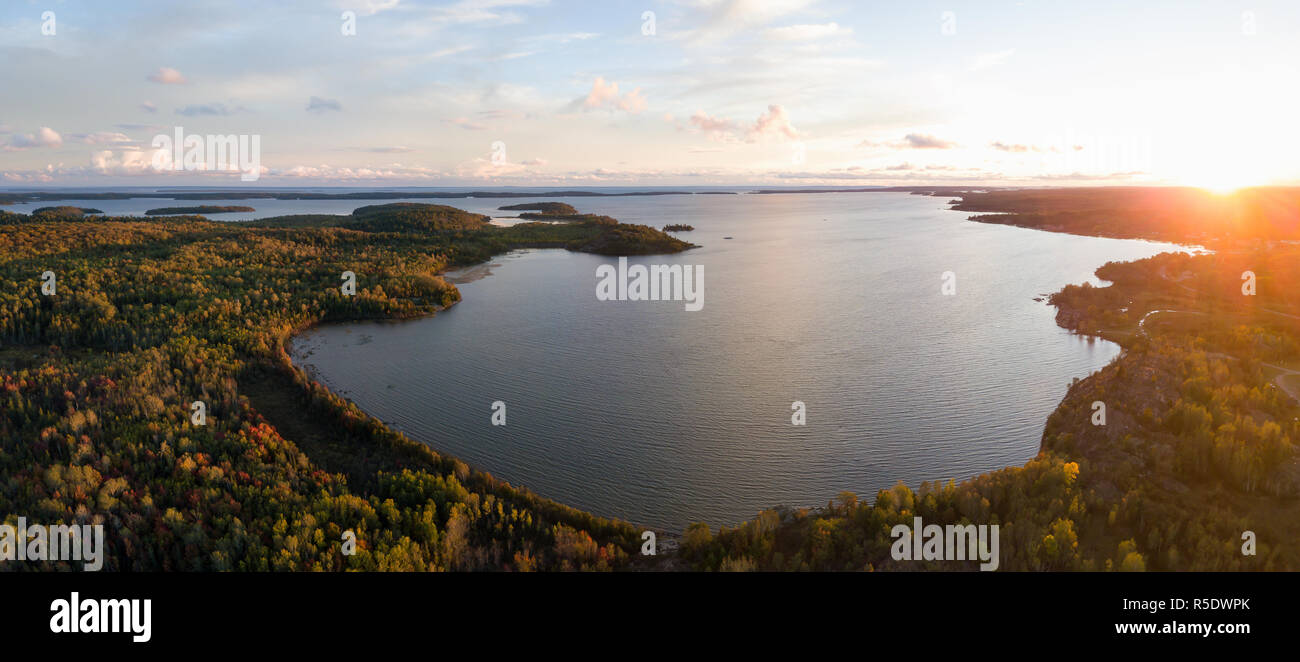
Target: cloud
565	38
141	127
319	105
44	137
1004	147
717	127
195	110
167	76
481	168
467	124
601	93
605	95
372	7
502	114
987	60
805	32
633	102
425	21
149	107
396	149
926	141
102	138
453	50
511	56
1020	149
124	162
774	123
732	17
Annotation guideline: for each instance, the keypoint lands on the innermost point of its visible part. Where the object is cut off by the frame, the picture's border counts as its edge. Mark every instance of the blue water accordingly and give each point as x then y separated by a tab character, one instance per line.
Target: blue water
644	411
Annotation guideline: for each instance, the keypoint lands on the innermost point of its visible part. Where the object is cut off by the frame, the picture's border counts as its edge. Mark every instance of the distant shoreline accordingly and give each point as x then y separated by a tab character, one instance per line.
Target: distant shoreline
289	194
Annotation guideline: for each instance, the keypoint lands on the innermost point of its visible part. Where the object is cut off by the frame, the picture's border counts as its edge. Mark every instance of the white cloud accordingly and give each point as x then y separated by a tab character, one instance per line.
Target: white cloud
772	124
167	76
1009	147
601	93
805	32
717	128
775	123
605	95
488	12
988	60
444	52
566	38
104	137
396	149
122	162
371	7
44	137
926	141
215	108
486	169
634	102
467	124
730	17
394	171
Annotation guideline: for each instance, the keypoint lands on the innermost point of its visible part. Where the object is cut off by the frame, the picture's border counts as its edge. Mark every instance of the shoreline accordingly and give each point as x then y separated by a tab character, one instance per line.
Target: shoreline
288	193
473	272
479	270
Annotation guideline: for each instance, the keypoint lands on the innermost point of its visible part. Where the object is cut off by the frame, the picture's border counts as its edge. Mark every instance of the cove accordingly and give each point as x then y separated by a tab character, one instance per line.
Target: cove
661	416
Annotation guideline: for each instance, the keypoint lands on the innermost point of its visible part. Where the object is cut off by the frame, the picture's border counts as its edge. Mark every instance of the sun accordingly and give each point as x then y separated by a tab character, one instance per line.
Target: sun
1223	177
1223	189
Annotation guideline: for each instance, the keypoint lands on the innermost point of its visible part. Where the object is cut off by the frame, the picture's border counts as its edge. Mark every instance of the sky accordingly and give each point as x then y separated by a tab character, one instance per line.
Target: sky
655	93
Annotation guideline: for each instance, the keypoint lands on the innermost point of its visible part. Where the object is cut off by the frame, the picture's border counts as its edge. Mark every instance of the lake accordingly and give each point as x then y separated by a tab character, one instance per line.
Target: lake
645	411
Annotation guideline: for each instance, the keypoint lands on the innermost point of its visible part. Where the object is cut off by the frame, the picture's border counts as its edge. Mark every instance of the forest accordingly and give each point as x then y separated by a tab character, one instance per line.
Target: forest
1198	442
100	366
1178	215
112	328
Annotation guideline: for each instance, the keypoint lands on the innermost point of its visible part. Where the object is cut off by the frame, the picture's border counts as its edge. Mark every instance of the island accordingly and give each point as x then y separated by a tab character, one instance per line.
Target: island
64	212
546	208
198	210
678	228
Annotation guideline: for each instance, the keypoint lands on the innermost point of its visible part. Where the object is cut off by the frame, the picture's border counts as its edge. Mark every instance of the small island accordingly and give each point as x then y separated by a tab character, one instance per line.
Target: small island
543	208
201	209
554	211
678	227
64	212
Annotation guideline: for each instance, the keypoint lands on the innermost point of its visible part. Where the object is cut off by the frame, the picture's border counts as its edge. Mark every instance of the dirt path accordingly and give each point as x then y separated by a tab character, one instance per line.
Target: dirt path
1281	382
